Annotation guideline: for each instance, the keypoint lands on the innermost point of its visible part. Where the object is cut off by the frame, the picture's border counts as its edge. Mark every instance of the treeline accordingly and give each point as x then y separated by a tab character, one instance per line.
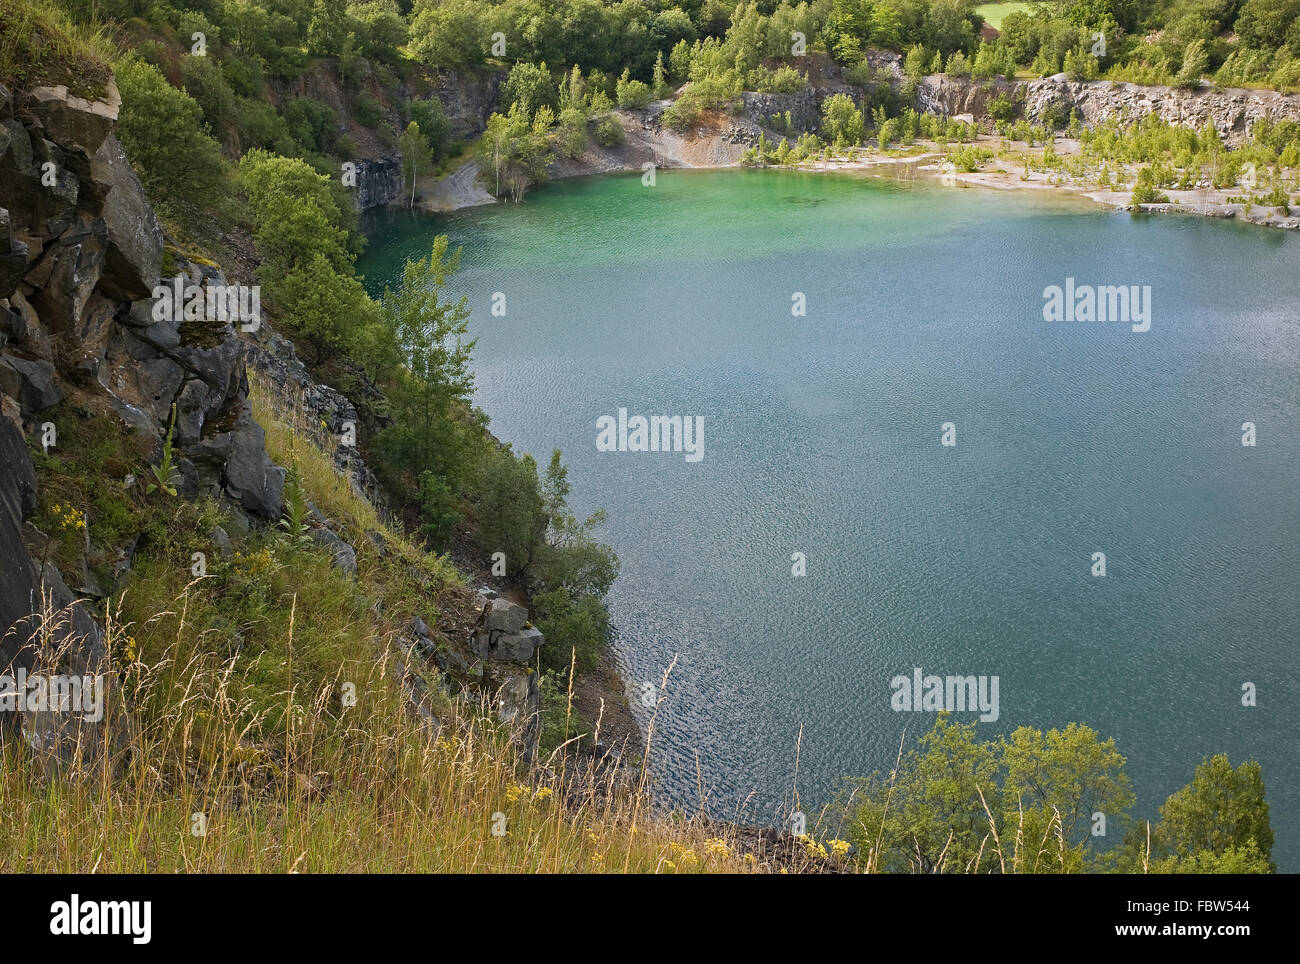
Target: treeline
700	54
1049	802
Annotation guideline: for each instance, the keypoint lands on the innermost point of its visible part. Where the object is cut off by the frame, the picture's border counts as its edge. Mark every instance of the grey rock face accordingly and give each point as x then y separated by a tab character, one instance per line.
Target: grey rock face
72	644
32	383
803	107
13	256
133	261
379	182
251	478
1233	112
74	120
514	647
468	99
519	707
342	555
507	616
276	359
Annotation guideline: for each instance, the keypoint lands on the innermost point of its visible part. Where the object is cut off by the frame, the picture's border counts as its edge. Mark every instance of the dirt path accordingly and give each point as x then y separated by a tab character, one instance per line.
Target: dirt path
459	189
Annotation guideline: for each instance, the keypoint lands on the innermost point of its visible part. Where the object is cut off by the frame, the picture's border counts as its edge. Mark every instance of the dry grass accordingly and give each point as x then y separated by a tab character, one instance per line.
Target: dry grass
251	743
40	44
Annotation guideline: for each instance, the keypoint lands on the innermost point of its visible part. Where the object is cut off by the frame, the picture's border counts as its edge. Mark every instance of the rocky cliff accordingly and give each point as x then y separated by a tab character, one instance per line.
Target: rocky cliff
468	98
80	255
1232	112
86	278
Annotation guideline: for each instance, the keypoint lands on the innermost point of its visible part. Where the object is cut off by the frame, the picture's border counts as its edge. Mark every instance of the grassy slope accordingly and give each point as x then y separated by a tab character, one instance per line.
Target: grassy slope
40	45
235	680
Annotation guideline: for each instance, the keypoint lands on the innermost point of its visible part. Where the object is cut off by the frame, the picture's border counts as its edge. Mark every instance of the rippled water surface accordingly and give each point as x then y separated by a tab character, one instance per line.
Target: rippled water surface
821	436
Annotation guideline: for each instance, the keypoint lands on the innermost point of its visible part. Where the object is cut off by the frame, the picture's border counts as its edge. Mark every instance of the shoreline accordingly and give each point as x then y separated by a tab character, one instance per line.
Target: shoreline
460	189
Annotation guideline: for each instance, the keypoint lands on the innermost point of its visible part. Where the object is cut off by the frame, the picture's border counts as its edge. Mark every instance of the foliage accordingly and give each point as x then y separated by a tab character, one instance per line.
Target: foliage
1021	804
166	474
609	131
516	150
155	117
842	122
416	153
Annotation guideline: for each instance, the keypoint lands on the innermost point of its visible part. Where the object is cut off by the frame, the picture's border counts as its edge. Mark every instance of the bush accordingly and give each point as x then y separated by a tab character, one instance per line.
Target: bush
969	159
575	628
682	114
530	86
431	118
1055	116
632	94
1002	108
1196	61
366	111
312	124
155	117
260	126
1145	191
842	122
571	138
609	131
784	80
509	509
202	79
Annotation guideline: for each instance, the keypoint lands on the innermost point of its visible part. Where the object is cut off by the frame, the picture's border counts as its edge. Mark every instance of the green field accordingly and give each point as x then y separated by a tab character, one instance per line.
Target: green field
994	12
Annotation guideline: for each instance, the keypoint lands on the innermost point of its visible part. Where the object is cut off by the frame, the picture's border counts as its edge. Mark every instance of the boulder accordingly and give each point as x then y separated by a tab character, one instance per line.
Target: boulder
73	120
189	484
221	540
519	707
133	262
13	257
191	412
251	478
77	645
343	555
221	368
507	617
159	380
517	647
19	183
67	274
31	383
503	647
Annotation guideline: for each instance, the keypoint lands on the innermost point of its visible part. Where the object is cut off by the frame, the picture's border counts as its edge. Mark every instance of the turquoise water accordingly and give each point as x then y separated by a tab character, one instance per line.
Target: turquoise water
822	436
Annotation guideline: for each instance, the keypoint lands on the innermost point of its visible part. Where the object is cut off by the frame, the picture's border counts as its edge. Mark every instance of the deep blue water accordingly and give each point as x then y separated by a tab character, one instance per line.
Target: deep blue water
822	436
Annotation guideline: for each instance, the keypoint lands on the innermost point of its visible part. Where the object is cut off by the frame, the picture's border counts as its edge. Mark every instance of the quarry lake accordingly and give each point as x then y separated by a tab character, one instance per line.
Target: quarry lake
821	434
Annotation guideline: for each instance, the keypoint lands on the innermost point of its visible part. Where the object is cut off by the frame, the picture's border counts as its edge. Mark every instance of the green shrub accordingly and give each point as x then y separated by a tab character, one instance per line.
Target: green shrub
609	131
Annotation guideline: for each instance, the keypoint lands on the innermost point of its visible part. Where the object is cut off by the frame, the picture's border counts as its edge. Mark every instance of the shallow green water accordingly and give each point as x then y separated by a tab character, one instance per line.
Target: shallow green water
822	436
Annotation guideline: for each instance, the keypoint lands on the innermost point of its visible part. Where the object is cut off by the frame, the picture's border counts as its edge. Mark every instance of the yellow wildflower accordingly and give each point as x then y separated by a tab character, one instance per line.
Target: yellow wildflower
514	791
717	847
67	518
814	848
